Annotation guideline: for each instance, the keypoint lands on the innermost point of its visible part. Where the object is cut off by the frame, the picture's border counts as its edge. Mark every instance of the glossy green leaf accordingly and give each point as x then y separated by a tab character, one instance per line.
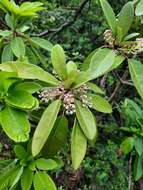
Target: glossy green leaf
45	126
99	103
136	71
30	87
59	132
59	61
27	179
20	152
86	120
42	181
29	71
42	43
101	62
127	145
125	20
45	164
138	170
109	14
118	61
15	124
78	146
20	99
18	47
7	54
139	8
139	145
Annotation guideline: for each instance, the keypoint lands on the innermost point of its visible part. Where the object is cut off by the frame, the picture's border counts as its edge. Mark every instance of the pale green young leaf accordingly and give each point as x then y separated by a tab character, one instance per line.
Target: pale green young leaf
86	120
29	71
139	8
18	47
42	181
110	15
101	62
15	124
45	126
78	145
45	164
27	179
59	61
42	43
136	71
82	78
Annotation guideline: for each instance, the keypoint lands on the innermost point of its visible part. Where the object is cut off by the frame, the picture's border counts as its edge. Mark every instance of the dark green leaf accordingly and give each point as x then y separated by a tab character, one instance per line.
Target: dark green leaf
42	43
26	179
20	152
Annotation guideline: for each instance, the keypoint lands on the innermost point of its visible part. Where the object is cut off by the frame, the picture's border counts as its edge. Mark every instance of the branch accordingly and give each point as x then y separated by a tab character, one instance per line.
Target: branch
66	24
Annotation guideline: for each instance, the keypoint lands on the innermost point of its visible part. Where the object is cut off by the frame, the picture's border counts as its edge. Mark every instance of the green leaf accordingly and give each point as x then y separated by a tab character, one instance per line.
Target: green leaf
86	120
87	61
15	124
27	179
130	36
20	99
7	54
32	58
42	43
78	146
43	181
100	104
139	8
139	145
30	87
45	126
59	132
18	47
125	20
29	71
82	78
138	170
17	178
127	145
6	174
109	14
101	62
72	73
136	71
45	164
118	61
5	33
95	88
20	152
59	61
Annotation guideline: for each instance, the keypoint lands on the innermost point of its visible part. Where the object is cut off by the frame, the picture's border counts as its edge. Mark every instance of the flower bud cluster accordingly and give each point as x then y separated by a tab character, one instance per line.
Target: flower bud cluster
139	42
67	96
109	38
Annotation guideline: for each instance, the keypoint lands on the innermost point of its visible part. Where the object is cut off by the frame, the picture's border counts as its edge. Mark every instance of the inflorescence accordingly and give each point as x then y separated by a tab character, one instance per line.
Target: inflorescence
67	96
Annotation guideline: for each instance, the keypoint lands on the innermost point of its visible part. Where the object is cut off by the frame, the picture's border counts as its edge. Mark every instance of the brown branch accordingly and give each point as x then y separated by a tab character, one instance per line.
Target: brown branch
66	24
118	85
